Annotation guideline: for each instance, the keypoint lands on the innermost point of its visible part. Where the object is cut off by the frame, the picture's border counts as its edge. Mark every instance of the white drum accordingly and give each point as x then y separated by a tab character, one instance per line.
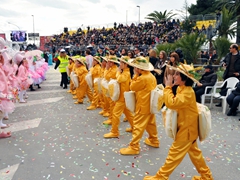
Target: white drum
89	80
156	101
114	89
74	78
130	100
169	117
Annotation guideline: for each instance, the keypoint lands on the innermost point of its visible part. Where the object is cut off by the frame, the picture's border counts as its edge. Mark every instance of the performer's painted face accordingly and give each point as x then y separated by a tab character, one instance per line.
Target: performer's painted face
122	65
25	63
177	78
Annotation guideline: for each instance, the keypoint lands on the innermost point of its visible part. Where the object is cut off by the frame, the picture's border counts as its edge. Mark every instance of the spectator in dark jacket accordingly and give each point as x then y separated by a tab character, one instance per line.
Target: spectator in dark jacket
159	67
232	64
153	57
209	78
214	57
233	100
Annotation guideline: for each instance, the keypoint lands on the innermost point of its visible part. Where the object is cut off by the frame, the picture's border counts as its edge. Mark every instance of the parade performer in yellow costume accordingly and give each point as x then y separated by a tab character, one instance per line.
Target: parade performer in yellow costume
143	82
81	71
123	78
184	102
103	98
108	75
71	65
96	73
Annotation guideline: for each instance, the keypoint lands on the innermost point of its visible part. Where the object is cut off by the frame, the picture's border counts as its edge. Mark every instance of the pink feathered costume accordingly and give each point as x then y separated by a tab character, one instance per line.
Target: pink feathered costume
6	105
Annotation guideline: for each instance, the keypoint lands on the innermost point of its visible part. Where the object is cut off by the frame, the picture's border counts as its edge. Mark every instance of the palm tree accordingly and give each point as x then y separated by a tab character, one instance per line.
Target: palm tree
167	47
191	44
232	6
221	44
228	25
159	16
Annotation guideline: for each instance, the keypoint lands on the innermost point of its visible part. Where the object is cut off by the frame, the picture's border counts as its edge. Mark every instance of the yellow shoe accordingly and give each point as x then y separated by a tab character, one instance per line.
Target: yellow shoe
99	106
74	97
74	93
150	178
110	135
125	120
109	122
69	91
91	107
105	114
128	151
149	143
78	102
207	176
101	112
128	130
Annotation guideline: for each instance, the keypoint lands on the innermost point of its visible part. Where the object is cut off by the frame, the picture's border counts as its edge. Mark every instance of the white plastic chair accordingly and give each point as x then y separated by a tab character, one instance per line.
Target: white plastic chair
231	83
208	94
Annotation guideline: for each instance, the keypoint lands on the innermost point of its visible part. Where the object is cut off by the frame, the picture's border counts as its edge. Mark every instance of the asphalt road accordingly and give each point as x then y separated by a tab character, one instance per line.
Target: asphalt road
55	139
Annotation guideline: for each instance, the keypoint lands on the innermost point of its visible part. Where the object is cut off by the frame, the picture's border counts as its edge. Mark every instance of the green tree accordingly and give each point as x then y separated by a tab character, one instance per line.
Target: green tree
221	44
187	25
167	47
159	16
191	44
202	7
228	26
232	6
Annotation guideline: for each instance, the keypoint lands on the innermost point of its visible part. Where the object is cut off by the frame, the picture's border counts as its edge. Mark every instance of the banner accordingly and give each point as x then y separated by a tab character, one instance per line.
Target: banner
43	41
3	36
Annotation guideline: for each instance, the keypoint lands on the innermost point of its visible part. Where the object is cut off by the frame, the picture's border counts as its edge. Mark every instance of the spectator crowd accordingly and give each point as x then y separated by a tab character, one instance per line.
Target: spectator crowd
144	36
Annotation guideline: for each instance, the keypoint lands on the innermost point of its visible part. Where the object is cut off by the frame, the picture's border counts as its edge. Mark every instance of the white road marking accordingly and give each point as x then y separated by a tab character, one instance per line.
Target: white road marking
41	101
45	91
8	173
24	125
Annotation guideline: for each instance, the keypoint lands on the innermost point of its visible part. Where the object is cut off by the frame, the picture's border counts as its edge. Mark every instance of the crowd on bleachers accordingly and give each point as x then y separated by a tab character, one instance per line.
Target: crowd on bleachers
144	36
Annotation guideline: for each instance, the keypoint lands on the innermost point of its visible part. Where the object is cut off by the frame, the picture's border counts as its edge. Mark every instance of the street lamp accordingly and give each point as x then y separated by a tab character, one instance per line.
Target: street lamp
14	25
139	15
33	30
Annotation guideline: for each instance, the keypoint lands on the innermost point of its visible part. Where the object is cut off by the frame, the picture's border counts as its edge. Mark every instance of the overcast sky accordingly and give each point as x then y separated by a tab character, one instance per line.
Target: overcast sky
51	16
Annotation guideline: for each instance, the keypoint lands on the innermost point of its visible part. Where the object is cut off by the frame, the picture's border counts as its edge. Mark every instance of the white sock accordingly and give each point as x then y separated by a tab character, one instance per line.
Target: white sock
21	96
2	124
6	114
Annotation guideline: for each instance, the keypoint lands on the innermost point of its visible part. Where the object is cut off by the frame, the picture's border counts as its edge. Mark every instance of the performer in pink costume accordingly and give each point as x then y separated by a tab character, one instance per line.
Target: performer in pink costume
22	74
10	71
6	104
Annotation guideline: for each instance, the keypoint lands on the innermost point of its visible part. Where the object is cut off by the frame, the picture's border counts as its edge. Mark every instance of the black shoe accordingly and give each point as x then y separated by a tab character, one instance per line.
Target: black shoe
231	113
61	85
65	87
38	86
219	105
32	89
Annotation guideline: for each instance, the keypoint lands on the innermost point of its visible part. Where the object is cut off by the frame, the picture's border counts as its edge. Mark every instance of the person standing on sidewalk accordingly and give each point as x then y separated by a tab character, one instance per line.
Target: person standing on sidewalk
61	64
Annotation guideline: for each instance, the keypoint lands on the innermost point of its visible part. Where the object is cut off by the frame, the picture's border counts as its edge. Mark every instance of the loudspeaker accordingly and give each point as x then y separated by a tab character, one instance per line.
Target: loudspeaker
65	30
